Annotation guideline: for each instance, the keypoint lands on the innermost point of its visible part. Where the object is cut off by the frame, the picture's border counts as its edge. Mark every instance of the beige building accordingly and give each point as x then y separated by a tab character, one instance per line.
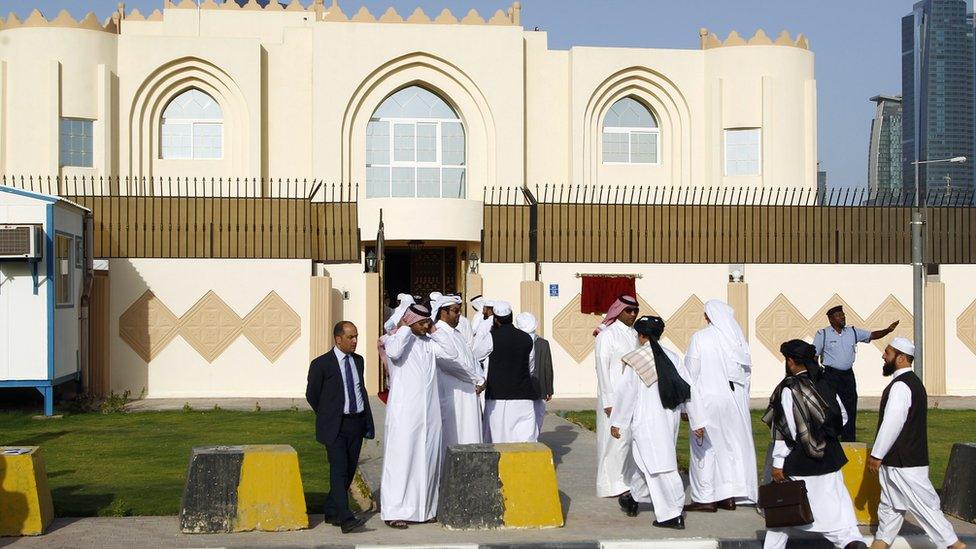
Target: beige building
417	116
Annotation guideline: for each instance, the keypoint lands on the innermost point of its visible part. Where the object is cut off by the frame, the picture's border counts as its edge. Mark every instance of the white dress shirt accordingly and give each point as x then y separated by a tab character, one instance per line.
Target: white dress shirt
895	415
357	383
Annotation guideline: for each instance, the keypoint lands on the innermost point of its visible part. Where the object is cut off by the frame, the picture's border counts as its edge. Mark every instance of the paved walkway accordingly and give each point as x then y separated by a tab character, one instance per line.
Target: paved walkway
588	518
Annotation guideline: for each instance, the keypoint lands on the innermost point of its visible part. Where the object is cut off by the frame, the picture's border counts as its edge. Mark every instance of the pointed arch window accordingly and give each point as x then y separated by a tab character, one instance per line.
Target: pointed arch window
192	128
415	147
630	134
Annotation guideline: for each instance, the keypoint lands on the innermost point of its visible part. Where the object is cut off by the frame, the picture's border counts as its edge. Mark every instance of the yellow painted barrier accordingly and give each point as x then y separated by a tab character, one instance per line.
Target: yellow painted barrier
25	498
270	495
529	488
862	484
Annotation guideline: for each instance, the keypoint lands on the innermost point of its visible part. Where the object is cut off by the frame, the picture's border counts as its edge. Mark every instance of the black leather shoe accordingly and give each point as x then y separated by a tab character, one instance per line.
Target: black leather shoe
677	523
726	504
352	524
628	505
701	507
331	520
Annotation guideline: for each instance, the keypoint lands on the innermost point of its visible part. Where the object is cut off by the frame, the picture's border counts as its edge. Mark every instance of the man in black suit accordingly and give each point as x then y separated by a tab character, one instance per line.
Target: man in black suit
337	394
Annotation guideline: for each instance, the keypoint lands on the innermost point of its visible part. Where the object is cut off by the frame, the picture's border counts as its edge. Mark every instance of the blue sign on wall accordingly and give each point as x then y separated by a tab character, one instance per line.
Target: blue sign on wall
554	290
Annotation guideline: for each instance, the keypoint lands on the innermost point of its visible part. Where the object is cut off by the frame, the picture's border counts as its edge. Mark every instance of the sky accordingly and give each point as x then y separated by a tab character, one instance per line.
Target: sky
857	44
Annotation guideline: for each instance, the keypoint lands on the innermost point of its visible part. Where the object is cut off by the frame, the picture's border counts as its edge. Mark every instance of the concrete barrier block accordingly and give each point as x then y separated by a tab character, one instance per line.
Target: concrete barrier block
499	486
25	498
243	488
862	484
959	485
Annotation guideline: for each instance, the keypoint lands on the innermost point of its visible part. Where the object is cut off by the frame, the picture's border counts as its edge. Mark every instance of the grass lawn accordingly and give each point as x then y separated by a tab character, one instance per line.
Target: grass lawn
135	464
945	428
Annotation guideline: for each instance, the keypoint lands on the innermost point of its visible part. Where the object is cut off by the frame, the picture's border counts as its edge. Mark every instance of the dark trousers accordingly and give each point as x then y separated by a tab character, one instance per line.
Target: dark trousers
845	386
343	460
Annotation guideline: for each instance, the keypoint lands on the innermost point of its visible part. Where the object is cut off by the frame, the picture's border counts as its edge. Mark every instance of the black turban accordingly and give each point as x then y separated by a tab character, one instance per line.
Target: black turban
803	353
672	389
650	326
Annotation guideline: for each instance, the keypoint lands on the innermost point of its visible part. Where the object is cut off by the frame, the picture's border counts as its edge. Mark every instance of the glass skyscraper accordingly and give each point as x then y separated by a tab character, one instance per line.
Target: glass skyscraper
885	150
938	94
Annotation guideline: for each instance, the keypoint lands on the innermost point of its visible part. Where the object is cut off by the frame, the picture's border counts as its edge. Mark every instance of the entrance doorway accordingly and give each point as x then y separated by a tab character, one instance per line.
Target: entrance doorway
420	270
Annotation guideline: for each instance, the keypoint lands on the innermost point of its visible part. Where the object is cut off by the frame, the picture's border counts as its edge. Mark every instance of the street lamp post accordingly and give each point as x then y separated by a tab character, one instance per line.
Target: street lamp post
918	268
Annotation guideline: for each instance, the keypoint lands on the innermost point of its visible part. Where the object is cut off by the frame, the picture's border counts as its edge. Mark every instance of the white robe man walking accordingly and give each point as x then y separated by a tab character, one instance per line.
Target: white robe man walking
723	455
412	452
615	337
648	401
459	379
900	454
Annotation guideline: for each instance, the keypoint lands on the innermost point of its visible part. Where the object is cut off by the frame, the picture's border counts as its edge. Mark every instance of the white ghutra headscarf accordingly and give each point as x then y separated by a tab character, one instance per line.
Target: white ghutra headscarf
722	317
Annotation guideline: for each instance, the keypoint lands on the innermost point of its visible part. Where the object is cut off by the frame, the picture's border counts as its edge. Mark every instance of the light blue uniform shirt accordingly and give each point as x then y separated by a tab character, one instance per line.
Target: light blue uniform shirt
838	350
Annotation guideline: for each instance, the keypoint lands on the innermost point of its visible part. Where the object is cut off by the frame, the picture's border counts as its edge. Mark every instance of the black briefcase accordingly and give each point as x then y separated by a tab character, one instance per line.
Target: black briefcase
785	504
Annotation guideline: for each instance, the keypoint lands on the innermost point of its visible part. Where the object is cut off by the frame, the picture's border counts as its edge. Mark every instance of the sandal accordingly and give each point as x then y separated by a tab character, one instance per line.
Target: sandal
397	524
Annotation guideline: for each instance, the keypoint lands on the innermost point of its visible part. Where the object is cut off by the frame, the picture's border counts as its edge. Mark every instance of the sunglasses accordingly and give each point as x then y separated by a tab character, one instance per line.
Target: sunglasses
632	310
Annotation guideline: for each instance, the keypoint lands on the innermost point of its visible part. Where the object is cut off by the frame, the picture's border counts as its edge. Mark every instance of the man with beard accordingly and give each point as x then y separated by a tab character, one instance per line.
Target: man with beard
647	401
615	337
837	347
900	454
806	418
458	379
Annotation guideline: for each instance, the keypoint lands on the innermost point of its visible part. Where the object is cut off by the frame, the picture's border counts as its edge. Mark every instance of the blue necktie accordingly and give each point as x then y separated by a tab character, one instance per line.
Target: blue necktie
351	388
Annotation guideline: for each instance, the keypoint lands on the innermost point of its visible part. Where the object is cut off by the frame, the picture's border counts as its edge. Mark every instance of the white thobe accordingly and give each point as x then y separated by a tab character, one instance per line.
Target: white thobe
481	347
723	463
830	502
906	488
456	379
511	421
412	452
612	472
655	433
466	330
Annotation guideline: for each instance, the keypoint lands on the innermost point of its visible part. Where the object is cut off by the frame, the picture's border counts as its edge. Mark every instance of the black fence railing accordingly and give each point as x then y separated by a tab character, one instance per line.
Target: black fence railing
212	217
577	224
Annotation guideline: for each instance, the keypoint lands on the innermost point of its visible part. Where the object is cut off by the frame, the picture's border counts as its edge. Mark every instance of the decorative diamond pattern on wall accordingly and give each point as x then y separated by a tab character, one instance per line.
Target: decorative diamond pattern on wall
782	321
573	330
889	311
687	320
966	327
272	326
148	326
210	326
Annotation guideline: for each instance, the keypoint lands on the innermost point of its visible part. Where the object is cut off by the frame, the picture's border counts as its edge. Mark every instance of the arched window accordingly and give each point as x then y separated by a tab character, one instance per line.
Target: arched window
630	134
192	128
415	147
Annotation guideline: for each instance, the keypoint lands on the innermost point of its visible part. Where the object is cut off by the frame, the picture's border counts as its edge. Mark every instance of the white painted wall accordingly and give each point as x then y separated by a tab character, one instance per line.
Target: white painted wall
179	370
960	295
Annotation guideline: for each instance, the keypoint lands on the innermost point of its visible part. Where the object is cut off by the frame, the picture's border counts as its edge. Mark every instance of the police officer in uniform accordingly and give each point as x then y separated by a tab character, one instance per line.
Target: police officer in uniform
836	346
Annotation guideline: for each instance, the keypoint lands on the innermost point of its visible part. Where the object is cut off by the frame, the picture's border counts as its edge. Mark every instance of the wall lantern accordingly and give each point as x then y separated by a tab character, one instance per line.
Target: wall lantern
371	262
473	262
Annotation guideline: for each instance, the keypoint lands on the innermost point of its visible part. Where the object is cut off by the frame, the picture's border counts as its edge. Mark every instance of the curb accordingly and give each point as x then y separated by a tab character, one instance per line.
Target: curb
907	542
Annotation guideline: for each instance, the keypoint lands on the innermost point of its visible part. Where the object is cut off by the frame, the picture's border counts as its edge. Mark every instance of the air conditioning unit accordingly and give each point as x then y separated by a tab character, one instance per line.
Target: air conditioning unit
21	242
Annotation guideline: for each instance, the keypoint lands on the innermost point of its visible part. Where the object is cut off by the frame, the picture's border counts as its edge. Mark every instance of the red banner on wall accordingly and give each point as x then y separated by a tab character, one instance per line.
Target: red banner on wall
599	292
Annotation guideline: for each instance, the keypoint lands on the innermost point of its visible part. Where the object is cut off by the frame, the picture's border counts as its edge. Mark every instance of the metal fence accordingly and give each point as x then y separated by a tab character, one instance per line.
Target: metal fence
241	218
576	224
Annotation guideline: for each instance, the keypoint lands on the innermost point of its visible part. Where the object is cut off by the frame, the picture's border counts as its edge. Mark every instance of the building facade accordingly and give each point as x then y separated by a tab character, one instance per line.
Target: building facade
885	148
938	95
187	129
